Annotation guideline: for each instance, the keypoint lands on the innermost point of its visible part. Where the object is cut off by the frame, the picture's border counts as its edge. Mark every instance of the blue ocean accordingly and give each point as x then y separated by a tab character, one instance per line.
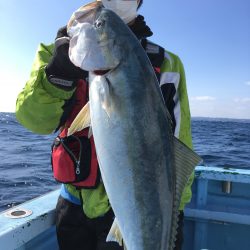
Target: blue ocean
25	170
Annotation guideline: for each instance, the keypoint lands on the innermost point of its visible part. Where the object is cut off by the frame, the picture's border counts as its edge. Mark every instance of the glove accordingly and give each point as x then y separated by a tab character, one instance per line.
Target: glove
61	71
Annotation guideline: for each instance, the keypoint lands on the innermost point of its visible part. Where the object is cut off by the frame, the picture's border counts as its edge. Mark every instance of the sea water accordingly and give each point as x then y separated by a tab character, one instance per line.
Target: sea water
25	169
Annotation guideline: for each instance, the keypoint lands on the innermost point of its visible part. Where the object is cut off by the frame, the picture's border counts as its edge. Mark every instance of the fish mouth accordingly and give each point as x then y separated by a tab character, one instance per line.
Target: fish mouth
101	72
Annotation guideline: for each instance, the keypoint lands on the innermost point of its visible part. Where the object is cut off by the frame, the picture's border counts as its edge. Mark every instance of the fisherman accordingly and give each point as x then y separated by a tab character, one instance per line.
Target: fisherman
51	99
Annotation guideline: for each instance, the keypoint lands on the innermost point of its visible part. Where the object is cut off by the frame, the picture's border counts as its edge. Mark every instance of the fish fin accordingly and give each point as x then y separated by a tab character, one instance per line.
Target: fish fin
185	161
81	121
115	233
105	96
90	132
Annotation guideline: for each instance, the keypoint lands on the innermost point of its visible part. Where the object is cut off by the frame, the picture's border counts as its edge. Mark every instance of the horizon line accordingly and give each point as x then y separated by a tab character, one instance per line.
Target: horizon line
192	117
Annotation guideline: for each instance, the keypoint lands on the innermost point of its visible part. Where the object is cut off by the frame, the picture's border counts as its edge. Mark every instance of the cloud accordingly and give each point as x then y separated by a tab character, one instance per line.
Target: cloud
203	98
238	108
242	100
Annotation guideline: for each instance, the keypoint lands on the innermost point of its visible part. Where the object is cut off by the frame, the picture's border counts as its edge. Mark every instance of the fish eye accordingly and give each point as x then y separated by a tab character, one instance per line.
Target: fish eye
99	23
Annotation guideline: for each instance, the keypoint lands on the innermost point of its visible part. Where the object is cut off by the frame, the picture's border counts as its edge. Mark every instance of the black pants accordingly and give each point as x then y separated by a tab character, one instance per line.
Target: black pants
77	232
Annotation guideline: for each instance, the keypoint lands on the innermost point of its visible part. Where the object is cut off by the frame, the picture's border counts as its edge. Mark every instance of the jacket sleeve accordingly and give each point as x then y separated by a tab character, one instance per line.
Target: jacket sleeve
174	90
39	106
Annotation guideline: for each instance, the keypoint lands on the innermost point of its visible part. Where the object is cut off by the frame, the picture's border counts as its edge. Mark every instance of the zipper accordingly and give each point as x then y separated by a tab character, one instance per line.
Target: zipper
78	171
77	161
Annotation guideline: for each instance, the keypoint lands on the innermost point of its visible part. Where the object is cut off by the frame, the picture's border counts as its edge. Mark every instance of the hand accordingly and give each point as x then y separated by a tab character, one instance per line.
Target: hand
60	70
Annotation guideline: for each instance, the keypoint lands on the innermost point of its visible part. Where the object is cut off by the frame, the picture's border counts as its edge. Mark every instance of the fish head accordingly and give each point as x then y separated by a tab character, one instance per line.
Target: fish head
96	42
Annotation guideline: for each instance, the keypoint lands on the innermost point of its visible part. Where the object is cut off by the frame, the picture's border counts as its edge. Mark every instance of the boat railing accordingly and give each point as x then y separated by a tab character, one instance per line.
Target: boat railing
219	213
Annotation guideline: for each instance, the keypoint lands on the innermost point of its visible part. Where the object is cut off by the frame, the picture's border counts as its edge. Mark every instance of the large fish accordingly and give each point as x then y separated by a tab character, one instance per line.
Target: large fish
143	166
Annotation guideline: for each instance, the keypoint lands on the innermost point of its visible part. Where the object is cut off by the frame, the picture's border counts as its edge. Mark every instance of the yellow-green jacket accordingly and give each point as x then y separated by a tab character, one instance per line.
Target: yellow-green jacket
41	105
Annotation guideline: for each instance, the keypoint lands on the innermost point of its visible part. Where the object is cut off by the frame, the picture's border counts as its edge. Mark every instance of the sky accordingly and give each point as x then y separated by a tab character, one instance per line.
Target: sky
212	38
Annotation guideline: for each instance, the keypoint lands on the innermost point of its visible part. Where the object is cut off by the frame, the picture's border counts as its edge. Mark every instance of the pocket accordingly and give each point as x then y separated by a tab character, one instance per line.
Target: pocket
71	159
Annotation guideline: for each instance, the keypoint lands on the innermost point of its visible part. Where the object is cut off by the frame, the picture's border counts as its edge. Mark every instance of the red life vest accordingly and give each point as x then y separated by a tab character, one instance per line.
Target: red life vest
74	158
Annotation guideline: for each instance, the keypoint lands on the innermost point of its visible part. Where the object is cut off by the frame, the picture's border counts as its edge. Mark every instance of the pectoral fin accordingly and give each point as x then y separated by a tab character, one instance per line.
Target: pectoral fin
90	132
105	95
81	121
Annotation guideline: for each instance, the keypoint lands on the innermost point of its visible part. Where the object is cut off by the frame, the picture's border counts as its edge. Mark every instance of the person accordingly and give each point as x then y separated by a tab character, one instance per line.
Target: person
49	102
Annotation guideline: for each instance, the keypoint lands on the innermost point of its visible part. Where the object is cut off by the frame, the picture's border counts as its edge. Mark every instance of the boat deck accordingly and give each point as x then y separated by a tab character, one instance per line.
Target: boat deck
218	217
34	232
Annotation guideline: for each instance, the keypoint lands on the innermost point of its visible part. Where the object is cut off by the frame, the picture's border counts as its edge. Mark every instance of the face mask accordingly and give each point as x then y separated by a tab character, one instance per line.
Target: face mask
125	9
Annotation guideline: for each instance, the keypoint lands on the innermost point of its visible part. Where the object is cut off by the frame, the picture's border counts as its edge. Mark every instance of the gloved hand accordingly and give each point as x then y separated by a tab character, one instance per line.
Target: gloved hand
61	71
